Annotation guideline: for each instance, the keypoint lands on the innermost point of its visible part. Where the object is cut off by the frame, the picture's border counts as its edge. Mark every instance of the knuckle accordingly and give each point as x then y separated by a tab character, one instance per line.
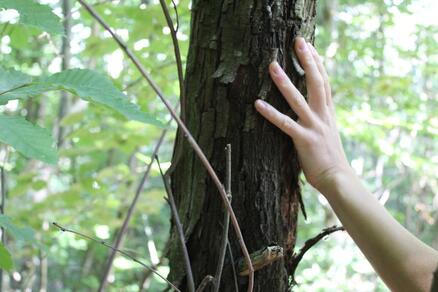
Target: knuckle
299	104
309	140
318	80
283	84
284	124
308	59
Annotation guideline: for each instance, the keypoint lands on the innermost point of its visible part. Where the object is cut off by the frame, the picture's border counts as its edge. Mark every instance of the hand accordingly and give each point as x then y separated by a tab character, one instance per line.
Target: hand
315	135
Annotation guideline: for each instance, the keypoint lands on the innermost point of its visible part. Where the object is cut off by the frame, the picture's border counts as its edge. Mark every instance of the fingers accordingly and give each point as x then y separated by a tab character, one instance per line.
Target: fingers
324	75
290	93
283	122
314	79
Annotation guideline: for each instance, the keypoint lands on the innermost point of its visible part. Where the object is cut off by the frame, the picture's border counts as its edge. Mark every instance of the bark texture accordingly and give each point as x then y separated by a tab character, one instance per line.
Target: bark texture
231	45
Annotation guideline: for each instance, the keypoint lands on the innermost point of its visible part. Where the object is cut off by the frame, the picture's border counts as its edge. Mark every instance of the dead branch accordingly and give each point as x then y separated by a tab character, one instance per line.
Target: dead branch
147	275
308	245
233	267
224	242
124	253
121	233
204	284
173	33
188	136
179	228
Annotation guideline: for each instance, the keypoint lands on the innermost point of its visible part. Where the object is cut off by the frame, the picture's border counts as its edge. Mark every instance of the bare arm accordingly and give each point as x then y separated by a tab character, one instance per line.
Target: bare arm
402	261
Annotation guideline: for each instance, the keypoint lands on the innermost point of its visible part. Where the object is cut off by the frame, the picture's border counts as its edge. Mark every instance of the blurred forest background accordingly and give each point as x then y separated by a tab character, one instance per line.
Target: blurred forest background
382	58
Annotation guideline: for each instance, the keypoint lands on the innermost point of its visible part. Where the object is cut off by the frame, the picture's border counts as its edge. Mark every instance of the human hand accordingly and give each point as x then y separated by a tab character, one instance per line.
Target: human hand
315	135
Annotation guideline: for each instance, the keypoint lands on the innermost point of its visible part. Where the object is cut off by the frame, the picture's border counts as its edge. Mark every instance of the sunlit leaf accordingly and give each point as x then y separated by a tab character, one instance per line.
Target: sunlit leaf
96	88
11	80
35	15
30	140
25	234
6	262
86	84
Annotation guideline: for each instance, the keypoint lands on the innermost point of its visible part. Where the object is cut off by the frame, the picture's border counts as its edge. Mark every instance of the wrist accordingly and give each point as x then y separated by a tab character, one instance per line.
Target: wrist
332	179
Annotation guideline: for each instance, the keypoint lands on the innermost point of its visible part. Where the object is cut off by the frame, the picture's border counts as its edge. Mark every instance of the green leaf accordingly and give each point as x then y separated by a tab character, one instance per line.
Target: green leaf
92	86
17	85
25	234
11	80
35	15
86	84
24	92
6	262
28	139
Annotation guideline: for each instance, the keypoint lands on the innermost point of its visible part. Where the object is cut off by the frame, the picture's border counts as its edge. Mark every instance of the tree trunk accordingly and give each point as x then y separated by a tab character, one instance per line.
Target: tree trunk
231	45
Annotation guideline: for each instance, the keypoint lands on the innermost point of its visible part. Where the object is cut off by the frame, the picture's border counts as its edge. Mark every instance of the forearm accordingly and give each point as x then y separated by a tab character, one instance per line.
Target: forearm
403	262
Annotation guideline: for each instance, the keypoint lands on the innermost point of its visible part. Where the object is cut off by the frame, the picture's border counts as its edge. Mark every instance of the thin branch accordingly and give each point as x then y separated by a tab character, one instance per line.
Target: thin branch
204	284
121	233
223	248
176	15
179	66
308	245
63	229
65	64
233	266
179	228
188	136
147	275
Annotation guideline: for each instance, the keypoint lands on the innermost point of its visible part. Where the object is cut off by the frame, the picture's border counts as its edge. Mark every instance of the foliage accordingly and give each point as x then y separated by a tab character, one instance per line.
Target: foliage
32	141
35	15
5	259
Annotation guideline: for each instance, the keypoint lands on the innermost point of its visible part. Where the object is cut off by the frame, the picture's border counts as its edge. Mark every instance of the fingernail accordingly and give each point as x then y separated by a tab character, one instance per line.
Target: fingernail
276	69
301	44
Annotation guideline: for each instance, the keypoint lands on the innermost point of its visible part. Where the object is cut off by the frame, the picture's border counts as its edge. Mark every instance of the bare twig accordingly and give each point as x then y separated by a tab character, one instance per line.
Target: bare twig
147	275
173	33
179	228
204	284
176	15
66	57
124	253
233	267
223	248
122	231
309	244
188	136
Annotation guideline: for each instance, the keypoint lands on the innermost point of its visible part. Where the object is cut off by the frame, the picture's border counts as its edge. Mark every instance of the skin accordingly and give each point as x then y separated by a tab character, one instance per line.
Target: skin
401	260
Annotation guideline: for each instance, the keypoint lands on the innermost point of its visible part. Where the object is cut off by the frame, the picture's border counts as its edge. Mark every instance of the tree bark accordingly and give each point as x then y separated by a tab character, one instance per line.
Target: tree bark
231	45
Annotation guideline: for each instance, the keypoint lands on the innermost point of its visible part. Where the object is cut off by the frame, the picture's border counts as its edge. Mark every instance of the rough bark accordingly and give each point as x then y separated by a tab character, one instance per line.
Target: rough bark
231	44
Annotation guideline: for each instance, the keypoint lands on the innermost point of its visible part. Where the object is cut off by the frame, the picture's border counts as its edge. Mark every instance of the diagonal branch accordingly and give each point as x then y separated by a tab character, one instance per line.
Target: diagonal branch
308	245
233	267
173	33
223	248
121	233
124	253
204	284
179	228
188	136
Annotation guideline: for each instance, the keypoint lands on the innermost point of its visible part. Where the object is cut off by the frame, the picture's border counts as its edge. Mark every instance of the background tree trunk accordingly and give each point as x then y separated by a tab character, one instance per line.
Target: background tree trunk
232	43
